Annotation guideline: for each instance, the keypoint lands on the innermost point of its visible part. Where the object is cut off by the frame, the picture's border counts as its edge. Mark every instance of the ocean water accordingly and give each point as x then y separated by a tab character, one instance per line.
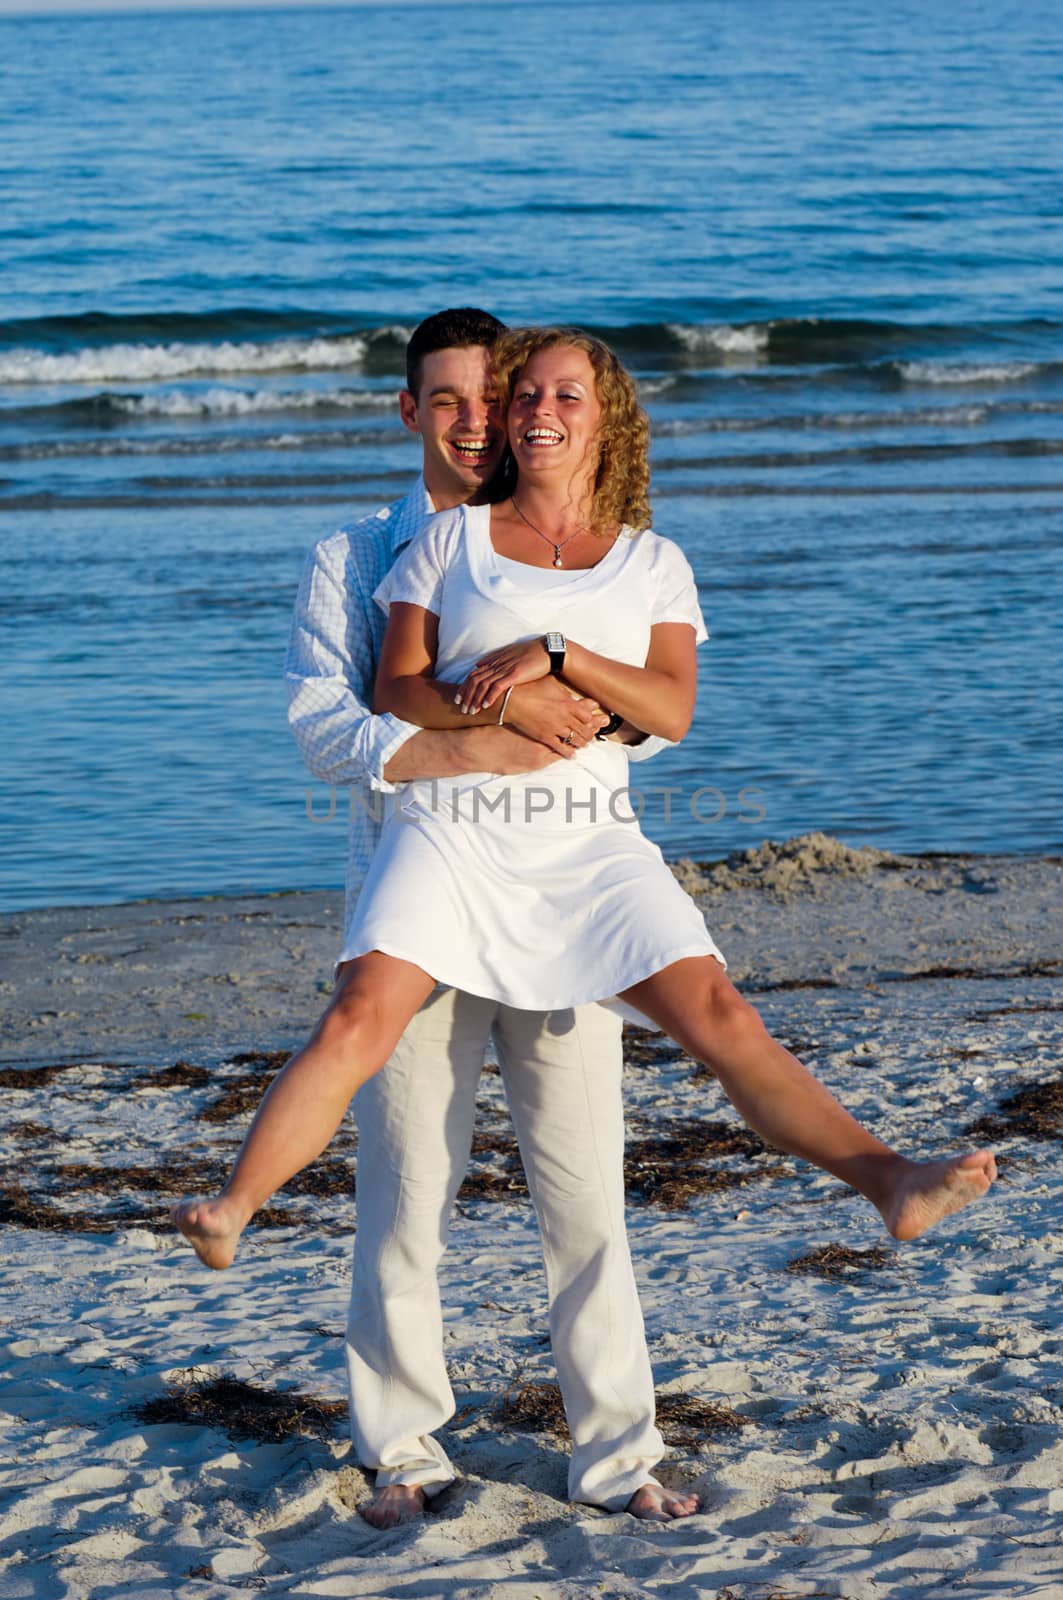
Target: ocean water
828	242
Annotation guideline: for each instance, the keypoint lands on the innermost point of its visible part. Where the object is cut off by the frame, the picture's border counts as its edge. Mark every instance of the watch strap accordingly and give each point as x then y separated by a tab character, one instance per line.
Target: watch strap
615	719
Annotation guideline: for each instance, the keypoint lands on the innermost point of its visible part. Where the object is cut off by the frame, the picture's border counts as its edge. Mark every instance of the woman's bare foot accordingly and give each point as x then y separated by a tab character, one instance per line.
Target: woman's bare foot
653	1503
212	1228
393	1505
926	1191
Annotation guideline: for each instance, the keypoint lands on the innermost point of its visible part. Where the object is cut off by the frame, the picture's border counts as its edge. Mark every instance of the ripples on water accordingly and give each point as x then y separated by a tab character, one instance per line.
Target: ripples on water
831	260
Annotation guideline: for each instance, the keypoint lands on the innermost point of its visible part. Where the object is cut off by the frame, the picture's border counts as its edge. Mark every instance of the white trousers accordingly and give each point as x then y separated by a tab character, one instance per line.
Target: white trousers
561	1072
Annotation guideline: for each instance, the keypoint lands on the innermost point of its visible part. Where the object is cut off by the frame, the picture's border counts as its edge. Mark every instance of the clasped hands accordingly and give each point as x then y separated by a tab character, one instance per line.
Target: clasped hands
543	707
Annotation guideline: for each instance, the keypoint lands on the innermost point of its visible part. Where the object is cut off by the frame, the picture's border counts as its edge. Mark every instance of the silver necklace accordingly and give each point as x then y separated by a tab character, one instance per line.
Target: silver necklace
558	546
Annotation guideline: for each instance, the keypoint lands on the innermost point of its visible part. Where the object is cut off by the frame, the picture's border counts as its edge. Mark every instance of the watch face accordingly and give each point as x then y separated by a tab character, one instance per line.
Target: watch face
555	642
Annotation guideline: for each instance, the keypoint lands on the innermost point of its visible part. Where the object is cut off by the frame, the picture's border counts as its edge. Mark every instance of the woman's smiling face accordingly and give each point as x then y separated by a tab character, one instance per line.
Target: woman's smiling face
554	414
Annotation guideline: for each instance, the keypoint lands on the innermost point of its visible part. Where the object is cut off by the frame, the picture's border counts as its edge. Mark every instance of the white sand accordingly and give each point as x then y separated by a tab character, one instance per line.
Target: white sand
904	1427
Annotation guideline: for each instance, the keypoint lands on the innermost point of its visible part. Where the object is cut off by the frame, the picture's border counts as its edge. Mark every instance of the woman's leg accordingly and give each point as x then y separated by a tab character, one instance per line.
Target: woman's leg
375	997
695	1002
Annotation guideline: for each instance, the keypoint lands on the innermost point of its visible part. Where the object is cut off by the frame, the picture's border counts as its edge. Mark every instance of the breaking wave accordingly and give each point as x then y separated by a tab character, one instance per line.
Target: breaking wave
246	402
720	339
138	363
965	372
143	348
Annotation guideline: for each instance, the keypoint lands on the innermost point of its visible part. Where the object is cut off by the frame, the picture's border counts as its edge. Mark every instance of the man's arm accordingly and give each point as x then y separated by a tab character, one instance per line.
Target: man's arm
544	710
328	674
443	753
329	678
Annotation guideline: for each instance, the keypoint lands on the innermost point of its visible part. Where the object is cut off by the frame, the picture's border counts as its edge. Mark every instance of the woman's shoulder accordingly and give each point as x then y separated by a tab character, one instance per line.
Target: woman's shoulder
445	525
658	553
670	583
440	536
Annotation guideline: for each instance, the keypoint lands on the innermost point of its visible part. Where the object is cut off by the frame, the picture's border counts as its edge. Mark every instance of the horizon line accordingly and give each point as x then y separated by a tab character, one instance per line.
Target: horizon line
96	8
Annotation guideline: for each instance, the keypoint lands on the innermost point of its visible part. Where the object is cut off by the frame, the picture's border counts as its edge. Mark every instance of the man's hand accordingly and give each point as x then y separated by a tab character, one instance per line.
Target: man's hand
451	753
507	752
555	715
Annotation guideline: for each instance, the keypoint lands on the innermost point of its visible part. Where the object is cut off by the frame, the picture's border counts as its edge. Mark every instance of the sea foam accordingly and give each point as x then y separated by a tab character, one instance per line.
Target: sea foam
220	402
130	363
719	338
959	372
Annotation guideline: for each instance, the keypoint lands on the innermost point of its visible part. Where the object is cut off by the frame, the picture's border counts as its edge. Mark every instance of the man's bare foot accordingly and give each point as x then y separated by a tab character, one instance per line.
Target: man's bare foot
926	1191
653	1503
393	1505
212	1228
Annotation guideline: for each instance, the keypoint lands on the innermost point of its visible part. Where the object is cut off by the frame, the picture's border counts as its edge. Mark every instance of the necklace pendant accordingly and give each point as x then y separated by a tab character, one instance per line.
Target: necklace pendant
557	557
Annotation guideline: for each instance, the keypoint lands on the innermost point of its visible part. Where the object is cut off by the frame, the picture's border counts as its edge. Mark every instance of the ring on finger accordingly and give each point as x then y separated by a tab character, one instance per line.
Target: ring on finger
568	739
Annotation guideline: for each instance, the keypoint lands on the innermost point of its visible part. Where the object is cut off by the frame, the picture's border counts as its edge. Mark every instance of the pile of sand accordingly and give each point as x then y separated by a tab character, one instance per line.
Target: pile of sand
782	868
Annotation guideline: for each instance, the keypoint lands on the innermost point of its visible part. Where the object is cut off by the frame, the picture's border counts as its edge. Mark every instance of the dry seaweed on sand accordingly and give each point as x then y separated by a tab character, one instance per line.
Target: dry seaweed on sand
684	1419
37	1077
674	1163
838	1261
171	1178
30	1203
322	1178
674	1190
181	1075
503	1181
667	1167
692	1139
776	1594
643	1047
242	1410
267	1060
1032	969
495	1141
241	1095
1016	1009
532	1407
1035	1112
277	1217
19	1209
485	1184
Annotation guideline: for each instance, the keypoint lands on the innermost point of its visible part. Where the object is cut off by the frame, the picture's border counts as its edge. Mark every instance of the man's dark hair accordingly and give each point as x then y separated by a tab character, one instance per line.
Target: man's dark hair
448	330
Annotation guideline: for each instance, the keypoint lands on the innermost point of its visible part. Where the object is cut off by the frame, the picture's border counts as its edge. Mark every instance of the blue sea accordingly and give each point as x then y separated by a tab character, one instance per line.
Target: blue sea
827	239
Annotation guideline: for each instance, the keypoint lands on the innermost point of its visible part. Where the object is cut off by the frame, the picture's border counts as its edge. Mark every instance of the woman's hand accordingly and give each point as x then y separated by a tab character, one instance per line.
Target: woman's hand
502	669
555	716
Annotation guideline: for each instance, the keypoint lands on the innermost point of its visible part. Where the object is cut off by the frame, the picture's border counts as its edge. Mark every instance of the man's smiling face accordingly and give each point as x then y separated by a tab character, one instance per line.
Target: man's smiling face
455	414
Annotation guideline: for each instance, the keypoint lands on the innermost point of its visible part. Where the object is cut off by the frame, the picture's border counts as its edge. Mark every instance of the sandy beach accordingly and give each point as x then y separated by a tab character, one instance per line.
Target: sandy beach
862	1419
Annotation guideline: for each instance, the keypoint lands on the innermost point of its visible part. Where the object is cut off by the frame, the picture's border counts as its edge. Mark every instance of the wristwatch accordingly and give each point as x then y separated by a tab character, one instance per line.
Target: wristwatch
554	645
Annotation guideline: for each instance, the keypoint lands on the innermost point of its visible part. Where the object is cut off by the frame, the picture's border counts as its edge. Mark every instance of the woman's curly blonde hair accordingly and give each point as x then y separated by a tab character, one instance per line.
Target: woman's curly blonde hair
622	478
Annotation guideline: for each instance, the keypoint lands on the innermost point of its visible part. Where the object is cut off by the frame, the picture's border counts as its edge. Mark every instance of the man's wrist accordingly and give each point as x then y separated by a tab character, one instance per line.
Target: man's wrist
429	754
442	753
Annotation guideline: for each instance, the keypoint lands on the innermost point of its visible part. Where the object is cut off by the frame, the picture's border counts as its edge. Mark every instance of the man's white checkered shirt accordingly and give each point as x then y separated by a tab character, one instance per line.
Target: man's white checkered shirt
333	650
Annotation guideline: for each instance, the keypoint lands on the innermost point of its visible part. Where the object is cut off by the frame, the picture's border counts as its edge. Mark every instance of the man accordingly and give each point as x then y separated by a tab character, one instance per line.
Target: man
561	1070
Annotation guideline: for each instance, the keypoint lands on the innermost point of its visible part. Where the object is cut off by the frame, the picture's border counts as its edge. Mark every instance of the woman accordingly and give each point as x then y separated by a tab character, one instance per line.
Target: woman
542	892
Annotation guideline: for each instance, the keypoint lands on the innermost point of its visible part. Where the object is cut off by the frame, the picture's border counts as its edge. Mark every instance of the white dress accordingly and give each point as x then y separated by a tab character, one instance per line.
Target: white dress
539	891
